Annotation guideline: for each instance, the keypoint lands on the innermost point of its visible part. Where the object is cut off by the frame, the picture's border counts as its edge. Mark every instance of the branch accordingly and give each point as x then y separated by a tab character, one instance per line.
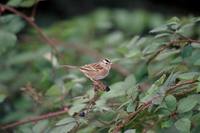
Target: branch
98	87
130	117
31	22
53	42
187	82
185	39
185	92
35	119
55	114
160	50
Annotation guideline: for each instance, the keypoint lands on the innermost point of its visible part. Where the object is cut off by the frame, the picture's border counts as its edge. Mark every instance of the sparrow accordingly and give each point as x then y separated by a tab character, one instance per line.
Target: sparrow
94	71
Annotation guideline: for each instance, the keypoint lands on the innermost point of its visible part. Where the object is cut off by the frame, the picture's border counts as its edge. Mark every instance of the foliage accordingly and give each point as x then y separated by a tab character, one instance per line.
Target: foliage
159	93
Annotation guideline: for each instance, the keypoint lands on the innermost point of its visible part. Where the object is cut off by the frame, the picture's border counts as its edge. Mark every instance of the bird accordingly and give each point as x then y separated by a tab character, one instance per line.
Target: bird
94	71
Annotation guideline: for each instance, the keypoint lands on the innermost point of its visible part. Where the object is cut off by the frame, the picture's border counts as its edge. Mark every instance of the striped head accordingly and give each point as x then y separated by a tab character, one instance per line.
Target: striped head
106	63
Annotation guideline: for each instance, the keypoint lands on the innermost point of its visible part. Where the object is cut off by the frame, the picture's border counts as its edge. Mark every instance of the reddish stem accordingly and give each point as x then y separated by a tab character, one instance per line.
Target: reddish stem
35	119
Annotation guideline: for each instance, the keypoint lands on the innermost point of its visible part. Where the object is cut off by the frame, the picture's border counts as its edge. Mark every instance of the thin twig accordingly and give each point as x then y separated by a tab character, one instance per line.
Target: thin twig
29	90
33	13
185	39
31	22
159	51
35	119
187	82
185	92
130	117
54	42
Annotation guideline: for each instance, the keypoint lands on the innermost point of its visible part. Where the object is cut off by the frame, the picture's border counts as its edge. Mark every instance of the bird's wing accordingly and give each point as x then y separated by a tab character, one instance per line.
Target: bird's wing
92	67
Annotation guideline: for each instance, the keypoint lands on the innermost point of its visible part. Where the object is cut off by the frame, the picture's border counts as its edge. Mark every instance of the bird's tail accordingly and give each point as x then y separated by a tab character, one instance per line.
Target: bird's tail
68	66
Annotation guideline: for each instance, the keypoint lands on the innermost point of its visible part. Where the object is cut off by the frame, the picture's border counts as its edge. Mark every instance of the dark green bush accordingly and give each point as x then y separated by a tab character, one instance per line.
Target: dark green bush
154	82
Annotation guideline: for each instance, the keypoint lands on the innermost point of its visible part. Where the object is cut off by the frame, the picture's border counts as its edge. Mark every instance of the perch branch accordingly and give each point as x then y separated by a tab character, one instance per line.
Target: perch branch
35	119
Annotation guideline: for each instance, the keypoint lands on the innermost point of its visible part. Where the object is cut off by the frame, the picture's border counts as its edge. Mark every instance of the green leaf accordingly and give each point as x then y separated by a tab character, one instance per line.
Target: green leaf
195	45
122	50
120	88
162	28
130	131
154	89
76	108
198	87
183	125
163	111
132	53
65	128
186	30
2	97
167	54
102	19
22	58
188	76
7	75
150	48
195	97
170	101
133	41
23	129
130	107
116	90
162	35
196	118
197	62
173	21
14	2
7	40
167	124
160	81
114	38
186	104
27	56
11	23
21	3
53	91
129	82
40	126
186	51
65	121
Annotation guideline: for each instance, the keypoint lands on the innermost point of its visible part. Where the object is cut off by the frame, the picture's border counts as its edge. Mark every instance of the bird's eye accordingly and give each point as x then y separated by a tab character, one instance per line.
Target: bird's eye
107	61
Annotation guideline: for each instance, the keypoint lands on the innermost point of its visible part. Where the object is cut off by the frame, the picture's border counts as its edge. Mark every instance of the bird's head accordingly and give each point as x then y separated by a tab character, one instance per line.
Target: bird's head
106	63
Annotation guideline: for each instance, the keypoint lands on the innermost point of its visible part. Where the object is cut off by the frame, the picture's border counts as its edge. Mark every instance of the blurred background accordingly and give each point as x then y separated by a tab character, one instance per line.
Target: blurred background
65	9
86	31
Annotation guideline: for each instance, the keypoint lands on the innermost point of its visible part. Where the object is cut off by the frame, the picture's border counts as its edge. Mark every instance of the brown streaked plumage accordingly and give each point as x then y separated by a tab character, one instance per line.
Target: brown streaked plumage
95	71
